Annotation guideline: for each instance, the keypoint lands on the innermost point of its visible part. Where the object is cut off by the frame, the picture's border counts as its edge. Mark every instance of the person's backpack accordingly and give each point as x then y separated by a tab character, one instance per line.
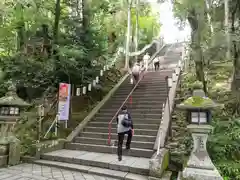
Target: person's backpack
125	121
135	69
156	60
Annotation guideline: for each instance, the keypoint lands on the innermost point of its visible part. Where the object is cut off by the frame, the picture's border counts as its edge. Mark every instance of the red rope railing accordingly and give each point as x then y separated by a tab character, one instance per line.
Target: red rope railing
129	97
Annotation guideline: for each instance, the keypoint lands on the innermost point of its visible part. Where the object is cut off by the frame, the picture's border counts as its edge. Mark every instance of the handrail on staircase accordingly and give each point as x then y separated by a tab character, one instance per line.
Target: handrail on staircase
129	96
167	107
124	102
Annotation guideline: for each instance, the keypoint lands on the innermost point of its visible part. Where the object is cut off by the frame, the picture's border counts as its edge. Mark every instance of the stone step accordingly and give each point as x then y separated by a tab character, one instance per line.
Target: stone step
136	131
108	116
150	121
140	99
93	170
101	160
142	92
134	103
158	92
144	86
151	83
158	78
166	176
137	125
134	110
136	152
153	76
98	141
143	97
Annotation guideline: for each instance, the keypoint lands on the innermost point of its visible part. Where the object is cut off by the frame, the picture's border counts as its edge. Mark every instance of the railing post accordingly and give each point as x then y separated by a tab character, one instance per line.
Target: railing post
56	124
40	116
109	133
130	101
169	112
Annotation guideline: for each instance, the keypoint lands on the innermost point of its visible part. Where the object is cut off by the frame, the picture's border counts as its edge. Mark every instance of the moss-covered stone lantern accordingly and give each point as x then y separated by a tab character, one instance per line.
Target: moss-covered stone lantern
198	108
11	105
10	108
199	165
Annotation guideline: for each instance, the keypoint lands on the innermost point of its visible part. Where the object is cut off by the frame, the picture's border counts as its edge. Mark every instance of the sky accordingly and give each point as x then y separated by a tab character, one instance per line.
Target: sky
169	30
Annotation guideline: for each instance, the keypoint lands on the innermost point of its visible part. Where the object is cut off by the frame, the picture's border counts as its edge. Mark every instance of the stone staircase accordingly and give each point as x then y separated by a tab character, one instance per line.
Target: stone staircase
90	149
89	152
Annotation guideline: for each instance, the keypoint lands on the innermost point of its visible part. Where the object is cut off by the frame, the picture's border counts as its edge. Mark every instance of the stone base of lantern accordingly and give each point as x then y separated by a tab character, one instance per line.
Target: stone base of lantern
200	174
199	165
3	160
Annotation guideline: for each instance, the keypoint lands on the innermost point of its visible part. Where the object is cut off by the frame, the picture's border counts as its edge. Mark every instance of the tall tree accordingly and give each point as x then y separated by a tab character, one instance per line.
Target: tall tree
194	13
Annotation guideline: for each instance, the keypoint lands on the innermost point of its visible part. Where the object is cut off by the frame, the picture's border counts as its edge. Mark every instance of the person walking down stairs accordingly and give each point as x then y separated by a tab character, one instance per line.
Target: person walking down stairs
124	126
146	58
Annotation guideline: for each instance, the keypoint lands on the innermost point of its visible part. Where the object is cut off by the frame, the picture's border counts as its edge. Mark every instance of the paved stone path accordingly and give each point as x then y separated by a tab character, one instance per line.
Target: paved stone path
37	172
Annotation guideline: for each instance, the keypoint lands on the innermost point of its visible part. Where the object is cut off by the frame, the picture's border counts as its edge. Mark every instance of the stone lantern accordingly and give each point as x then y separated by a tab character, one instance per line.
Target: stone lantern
10	108
11	105
199	165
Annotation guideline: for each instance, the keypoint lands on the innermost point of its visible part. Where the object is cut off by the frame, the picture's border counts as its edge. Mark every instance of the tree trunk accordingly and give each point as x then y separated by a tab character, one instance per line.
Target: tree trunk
20	36
85	22
195	20
236	54
208	16
137	27
20	29
226	8
55	36
56	22
128	37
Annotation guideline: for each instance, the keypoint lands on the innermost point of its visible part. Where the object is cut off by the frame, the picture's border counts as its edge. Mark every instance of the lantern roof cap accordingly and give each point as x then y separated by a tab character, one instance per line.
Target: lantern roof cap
198	102
11	98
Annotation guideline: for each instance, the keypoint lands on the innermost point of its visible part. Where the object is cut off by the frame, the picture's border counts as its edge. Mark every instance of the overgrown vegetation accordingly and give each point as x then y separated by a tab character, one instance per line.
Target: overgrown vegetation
214	56
46	42
223	143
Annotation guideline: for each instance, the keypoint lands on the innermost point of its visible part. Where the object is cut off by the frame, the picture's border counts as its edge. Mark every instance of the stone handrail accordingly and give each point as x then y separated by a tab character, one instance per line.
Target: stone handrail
165	124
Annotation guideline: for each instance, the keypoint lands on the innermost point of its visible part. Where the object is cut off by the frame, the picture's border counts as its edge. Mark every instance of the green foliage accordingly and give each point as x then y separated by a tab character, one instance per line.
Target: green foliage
83	36
37	51
148	25
223	143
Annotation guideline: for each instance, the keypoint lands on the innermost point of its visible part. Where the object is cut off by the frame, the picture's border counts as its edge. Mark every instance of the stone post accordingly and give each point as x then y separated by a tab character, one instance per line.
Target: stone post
14	151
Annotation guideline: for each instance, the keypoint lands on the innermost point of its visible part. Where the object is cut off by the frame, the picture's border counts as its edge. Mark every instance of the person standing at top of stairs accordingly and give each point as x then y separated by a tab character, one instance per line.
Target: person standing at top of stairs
124	126
146	58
